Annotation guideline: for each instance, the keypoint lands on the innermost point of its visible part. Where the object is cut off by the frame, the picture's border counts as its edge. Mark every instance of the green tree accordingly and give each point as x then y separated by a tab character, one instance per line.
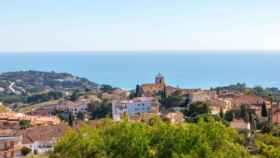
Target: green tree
24	124
173	101
138	91
197	108
264	110
268	145
71	119
81	115
244	113
100	109
75	96
106	88
164	93
25	151
229	115
221	114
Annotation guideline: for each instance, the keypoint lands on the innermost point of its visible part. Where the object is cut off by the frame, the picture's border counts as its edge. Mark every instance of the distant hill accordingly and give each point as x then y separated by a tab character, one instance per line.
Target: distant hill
26	82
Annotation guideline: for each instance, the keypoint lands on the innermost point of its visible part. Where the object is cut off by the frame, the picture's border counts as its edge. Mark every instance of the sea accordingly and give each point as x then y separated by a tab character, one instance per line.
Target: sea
184	69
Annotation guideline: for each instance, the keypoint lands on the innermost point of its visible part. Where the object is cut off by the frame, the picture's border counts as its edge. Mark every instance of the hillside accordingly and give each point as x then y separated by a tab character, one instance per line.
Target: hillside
24	82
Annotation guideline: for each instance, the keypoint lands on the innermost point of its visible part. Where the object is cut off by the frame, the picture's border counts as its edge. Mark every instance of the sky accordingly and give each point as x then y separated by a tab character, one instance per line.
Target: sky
117	25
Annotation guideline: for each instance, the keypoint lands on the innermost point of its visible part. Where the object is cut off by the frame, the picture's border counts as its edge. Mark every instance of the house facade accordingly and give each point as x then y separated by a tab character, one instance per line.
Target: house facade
133	107
9	147
42	139
275	114
73	107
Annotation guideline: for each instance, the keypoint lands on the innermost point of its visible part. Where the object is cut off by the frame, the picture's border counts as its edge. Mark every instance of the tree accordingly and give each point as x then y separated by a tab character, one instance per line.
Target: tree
229	116
173	101
198	108
75	96
259	91
138	91
221	113
100	109
25	151
264	110
164	95
106	88
244	113
24	124
81	115
71	119
268	145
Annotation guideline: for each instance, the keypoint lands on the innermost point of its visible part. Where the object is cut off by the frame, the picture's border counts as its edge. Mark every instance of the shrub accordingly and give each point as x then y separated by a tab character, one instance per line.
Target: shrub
24	124
25	151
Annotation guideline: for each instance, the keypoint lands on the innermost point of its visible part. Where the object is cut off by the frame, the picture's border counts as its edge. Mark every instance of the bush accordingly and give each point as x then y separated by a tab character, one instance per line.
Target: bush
25	151
24	124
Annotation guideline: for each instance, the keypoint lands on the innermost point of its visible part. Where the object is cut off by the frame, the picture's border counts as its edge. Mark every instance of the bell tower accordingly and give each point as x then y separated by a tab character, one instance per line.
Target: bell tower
159	79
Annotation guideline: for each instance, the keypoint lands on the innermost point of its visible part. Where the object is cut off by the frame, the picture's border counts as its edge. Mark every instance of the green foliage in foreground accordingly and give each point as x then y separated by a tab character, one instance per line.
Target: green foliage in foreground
268	145
156	139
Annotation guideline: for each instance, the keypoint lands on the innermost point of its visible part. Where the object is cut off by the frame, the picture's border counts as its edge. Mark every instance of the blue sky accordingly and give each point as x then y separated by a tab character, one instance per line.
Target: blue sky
84	25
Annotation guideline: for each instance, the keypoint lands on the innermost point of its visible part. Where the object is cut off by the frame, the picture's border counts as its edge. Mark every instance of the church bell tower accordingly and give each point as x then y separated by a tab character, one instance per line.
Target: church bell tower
159	79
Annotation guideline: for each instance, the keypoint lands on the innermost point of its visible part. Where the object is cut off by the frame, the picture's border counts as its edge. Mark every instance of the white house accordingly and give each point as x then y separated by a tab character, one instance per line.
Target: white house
133	107
41	139
74	107
41	147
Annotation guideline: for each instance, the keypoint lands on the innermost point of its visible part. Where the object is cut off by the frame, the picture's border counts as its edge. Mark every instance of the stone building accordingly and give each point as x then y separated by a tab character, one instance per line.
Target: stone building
151	89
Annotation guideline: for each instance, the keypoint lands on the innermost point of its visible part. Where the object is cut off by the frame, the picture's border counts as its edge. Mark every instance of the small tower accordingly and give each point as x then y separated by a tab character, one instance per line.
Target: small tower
159	79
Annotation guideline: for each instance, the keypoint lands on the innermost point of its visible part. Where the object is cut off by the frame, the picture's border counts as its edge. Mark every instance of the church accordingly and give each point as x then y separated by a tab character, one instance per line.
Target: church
151	89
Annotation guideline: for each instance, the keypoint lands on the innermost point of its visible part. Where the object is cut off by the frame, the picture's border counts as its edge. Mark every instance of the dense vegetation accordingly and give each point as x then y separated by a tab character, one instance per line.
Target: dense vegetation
30	86
268	145
155	139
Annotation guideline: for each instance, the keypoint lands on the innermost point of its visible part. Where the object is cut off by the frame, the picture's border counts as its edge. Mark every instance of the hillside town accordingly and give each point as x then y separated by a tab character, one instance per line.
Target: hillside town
35	128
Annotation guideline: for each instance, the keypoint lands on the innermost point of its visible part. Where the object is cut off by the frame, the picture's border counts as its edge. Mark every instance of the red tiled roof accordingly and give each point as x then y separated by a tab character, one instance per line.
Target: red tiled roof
42	133
246	99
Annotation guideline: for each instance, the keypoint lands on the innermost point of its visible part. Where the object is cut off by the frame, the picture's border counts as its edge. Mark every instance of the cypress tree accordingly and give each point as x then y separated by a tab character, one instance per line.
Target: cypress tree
221	113
71	119
138	91
264	110
164	95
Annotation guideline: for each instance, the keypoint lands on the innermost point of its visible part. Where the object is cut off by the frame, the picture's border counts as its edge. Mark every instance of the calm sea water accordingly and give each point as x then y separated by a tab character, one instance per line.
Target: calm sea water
125	70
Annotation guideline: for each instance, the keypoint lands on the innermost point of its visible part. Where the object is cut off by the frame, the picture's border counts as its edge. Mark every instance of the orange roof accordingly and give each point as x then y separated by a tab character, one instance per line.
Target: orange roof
42	133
